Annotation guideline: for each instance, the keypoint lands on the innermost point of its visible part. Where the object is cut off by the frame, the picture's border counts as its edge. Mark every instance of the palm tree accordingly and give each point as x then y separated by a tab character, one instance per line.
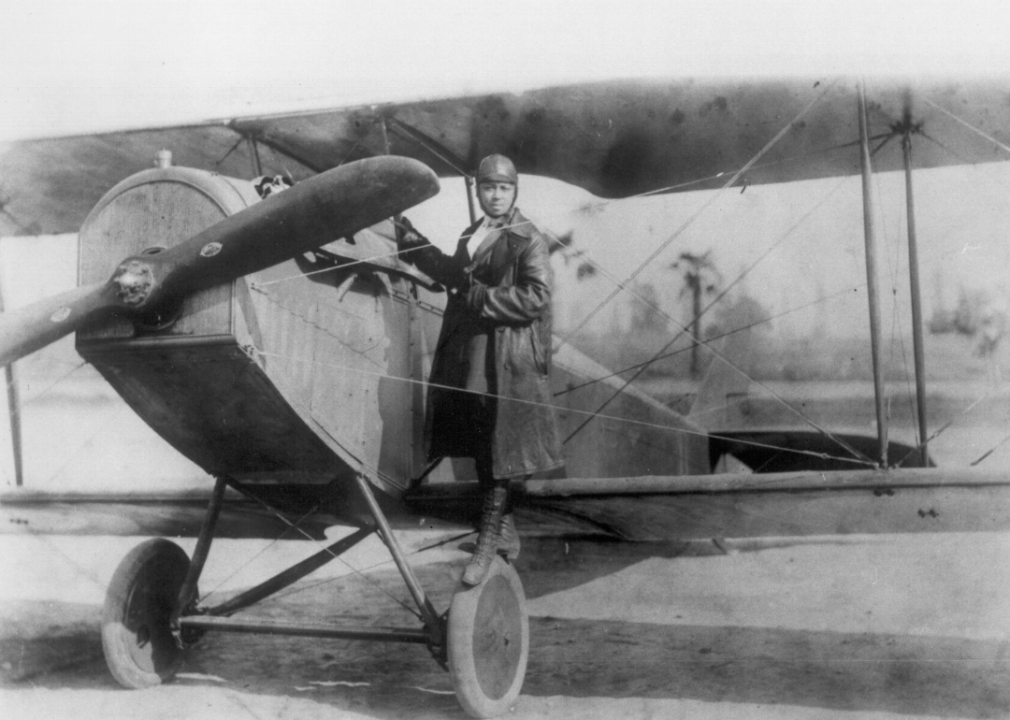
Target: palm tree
700	277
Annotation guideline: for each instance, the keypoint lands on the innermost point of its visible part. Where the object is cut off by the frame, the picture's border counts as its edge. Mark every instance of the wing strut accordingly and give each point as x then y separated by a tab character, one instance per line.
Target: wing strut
918	354
454	161
14	413
872	279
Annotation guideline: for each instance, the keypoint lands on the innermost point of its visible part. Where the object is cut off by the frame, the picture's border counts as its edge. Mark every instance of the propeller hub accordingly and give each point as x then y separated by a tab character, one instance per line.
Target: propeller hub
134	280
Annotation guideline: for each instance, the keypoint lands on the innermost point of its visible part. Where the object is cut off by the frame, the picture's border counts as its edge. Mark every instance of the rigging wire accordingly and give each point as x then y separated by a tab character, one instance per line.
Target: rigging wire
52	385
888	242
947	425
897	337
279	159
856	459
347	155
25	228
968	125
337	557
757	166
262	550
97	430
34	398
955	155
241	139
409	133
990	451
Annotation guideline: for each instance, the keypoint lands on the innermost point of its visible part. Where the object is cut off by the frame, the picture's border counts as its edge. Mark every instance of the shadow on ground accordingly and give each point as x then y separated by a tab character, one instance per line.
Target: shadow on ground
574	658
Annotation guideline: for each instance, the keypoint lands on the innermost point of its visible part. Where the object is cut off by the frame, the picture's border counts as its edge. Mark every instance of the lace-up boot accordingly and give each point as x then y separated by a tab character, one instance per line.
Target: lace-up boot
487	541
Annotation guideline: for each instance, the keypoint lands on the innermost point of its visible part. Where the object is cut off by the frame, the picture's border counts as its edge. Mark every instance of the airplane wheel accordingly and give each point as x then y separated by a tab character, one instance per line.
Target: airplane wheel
136	634
488	642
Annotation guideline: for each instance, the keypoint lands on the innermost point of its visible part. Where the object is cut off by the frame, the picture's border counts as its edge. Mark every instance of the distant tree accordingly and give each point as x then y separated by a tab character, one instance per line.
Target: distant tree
700	278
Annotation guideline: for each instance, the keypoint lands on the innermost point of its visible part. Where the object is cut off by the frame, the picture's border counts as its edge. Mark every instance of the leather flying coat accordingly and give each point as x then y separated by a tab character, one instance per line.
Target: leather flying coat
504	293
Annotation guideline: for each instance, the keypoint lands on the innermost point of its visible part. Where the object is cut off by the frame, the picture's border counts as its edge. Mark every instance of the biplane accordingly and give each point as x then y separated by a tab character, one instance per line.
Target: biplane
283	344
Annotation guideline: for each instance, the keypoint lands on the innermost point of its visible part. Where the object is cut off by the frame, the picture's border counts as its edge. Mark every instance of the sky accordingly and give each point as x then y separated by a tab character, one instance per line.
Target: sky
107	64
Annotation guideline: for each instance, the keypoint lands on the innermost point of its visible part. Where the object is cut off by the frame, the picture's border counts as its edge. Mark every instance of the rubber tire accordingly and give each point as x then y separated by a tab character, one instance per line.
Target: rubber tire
488	642
136	634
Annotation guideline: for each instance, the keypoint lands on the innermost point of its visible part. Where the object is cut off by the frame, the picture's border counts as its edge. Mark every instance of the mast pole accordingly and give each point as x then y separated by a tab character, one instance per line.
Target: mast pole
872	280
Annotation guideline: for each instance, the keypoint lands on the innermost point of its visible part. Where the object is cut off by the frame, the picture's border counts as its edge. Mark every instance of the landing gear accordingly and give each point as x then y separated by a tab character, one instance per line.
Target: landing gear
137	638
151	612
488	640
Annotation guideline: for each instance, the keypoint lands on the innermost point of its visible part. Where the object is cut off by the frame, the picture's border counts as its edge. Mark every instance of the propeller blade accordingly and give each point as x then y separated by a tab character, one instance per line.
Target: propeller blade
326	207
27	329
316	211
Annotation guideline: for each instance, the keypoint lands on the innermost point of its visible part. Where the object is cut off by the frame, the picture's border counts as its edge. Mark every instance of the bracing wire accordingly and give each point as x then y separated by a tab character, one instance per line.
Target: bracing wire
17	412
337	557
856	459
968	125
241	139
989	452
262	550
51	385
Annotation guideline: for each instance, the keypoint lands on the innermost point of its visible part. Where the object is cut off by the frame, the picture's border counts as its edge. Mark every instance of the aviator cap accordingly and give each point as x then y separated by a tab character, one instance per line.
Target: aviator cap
498	168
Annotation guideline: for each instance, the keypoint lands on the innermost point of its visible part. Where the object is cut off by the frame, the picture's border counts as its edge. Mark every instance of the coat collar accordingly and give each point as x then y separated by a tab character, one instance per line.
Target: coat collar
517	233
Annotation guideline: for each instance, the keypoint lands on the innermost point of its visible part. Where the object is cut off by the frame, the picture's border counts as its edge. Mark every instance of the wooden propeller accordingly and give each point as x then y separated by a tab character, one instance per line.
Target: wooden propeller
316	211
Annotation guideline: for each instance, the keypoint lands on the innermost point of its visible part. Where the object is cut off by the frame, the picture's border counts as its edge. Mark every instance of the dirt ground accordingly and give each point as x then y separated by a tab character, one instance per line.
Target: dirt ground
859	627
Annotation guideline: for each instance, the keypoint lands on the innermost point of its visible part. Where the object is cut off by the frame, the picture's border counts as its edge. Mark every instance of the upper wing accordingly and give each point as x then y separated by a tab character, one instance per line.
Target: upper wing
50	185
615	139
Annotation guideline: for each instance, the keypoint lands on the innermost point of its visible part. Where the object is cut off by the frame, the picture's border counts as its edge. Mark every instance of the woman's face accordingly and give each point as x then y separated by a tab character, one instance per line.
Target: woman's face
496	198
